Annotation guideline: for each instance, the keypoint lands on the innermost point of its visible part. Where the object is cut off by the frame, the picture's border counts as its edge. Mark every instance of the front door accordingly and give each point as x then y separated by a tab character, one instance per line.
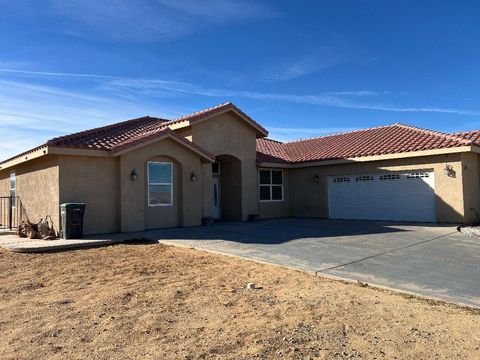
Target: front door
216	197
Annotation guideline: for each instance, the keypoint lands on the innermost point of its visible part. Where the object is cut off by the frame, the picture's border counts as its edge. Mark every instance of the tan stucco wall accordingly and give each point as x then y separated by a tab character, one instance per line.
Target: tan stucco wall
133	207
37	183
471	185
207	191
185	132
227	134
272	209
4	183
93	181
310	199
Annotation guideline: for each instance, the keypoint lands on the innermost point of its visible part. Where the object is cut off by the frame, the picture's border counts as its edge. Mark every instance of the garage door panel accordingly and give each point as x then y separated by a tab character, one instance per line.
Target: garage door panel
408	196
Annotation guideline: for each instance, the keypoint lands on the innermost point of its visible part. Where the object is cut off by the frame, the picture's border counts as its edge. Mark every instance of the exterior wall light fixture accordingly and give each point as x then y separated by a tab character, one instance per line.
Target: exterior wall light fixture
316	178
448	170
133	175
193	177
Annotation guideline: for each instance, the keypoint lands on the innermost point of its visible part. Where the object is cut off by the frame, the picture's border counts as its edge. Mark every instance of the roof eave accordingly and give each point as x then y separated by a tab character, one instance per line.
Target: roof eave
171	135
266	164
403	155
34	153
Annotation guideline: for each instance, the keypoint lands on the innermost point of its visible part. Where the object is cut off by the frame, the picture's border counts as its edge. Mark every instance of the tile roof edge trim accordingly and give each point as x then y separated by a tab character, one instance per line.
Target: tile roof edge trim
466	132
5	164
151	138
436	133
385	157
415	128
269	164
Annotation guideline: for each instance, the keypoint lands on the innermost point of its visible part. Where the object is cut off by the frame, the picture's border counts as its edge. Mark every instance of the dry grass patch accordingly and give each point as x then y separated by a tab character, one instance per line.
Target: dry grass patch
158	302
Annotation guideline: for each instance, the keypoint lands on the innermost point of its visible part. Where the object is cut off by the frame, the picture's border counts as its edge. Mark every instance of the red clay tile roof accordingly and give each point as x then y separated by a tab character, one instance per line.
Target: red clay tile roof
121	135
107	137
157	135
132	131
391	139
473	136
273	151
221	108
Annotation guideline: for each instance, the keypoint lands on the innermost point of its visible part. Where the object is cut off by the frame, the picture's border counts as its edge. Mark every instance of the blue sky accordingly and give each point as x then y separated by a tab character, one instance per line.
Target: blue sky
300	68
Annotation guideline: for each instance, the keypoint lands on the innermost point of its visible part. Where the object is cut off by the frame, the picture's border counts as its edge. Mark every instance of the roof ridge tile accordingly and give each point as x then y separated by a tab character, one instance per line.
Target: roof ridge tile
435	132
341	133
201	112
217	109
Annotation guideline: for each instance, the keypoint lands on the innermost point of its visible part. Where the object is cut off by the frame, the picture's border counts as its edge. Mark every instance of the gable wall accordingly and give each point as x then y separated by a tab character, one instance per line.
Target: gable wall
227	134
133	194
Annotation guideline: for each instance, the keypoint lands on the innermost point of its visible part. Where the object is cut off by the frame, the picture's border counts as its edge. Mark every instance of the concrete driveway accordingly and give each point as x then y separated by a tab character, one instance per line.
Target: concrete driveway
425	259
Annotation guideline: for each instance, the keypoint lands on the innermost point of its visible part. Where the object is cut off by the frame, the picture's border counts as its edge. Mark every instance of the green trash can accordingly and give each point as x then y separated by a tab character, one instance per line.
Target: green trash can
71	215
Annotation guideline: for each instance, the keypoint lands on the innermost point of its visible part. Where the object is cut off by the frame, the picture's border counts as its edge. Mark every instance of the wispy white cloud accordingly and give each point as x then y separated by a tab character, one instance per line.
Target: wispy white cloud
340	99
355	93
139	20
32	112
311	62
52	74
221	11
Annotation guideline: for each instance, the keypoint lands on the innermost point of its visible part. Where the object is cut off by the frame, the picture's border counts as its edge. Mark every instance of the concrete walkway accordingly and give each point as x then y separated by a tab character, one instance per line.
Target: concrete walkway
16	244
425	259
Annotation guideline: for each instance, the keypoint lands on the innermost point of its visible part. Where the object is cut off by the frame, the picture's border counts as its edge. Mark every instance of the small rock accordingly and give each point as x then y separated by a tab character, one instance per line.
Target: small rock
361	283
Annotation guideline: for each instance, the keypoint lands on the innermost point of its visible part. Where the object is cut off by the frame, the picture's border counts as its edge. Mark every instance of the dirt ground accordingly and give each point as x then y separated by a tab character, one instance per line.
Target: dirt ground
150	301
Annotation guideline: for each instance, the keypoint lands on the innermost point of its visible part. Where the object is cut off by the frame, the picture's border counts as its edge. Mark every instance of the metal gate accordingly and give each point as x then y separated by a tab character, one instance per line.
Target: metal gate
11	212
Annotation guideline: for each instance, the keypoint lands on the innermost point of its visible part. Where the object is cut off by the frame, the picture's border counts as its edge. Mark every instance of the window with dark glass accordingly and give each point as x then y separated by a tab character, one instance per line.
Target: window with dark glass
270	185
215	168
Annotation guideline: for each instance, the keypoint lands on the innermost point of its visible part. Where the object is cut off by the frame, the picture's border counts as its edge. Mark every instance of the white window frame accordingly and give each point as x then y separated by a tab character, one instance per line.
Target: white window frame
13	176
270	185
149	183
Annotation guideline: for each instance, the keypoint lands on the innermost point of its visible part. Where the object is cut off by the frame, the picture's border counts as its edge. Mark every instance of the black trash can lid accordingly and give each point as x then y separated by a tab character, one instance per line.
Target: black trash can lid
72	204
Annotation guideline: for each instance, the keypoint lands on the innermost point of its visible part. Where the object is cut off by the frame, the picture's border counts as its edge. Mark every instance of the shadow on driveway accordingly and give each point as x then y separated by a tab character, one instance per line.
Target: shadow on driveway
277	231
426	259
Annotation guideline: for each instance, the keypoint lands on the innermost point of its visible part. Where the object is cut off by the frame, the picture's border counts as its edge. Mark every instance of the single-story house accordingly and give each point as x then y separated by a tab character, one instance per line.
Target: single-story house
150	173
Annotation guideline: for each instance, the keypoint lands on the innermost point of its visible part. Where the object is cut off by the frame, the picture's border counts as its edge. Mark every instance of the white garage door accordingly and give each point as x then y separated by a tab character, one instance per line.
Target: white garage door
406	196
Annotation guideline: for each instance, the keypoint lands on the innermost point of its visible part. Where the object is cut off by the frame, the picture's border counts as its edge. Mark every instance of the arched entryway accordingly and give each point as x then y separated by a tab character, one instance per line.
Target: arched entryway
227	188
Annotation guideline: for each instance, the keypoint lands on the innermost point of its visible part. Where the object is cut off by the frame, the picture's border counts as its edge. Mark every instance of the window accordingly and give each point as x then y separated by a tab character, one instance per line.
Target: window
271	185
417	175
364	178
390	177
216	168
13	187
160	184
341	179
